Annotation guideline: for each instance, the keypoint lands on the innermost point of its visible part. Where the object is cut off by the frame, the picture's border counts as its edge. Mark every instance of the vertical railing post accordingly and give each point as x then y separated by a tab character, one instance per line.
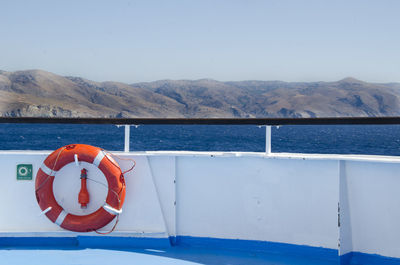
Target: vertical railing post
127	137
268	139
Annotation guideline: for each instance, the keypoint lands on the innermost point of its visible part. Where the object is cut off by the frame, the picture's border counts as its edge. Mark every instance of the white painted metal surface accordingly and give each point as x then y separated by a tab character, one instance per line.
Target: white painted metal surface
67	185
268	139
289	198
371	192
258	199
127	138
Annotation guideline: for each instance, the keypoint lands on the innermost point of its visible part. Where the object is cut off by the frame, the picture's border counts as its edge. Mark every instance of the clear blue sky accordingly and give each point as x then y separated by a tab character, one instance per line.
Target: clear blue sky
132	41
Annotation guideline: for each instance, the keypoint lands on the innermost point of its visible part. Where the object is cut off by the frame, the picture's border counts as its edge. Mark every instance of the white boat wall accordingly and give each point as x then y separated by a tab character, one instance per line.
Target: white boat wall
337	206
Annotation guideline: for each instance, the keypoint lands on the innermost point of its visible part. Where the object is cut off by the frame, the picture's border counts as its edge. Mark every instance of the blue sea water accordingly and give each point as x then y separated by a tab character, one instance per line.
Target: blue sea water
334	139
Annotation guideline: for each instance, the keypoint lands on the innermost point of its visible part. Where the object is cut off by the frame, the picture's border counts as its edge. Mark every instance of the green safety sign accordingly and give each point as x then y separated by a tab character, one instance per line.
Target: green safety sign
24	172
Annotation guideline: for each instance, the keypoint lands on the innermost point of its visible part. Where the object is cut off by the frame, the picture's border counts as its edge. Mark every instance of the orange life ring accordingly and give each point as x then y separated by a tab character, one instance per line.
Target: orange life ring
98	157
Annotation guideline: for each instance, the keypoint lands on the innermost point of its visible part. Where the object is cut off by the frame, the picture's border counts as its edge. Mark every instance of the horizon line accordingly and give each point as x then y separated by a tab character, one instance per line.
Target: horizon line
206	78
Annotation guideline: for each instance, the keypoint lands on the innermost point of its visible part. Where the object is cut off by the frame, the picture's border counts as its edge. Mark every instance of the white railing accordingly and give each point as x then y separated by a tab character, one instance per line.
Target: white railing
268	137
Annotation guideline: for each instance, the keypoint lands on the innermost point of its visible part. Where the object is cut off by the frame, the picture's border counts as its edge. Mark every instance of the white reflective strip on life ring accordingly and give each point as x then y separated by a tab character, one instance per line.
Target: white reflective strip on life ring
61	217
112	210
98	158
46	210
47	170
76	160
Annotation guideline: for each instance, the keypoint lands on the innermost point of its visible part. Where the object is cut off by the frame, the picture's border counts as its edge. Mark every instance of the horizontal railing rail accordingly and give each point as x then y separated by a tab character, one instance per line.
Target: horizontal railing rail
209	121
267	122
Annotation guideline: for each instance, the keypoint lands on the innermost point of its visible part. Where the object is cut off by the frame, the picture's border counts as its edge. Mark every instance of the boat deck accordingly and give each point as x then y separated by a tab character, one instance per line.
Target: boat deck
174	255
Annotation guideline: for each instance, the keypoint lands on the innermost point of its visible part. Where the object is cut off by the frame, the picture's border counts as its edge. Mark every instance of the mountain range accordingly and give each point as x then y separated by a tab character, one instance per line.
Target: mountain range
37	93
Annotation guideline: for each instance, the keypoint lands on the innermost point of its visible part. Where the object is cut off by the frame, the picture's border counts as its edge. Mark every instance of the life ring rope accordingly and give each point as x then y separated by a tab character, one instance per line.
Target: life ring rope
46	170
106	206
126	159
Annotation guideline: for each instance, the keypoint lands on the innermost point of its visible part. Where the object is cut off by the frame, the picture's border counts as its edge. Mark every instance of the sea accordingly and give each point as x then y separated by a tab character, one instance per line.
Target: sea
321	139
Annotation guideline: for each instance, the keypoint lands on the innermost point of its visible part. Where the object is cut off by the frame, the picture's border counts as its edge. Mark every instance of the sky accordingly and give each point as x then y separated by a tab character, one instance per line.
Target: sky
138	41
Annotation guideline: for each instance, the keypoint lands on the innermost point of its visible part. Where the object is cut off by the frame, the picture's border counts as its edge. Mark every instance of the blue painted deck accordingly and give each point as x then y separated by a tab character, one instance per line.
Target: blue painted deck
87	250
173	255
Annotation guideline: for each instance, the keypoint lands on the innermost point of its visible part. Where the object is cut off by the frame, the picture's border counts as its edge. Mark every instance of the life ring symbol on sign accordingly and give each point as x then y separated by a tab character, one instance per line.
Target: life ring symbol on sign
23	171
108	166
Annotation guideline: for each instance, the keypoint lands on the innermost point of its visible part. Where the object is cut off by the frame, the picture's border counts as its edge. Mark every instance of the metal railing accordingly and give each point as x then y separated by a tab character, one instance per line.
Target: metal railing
267	122
209	121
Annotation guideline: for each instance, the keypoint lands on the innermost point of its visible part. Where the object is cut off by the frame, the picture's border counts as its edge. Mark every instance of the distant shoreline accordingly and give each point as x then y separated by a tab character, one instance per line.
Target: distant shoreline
37	93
